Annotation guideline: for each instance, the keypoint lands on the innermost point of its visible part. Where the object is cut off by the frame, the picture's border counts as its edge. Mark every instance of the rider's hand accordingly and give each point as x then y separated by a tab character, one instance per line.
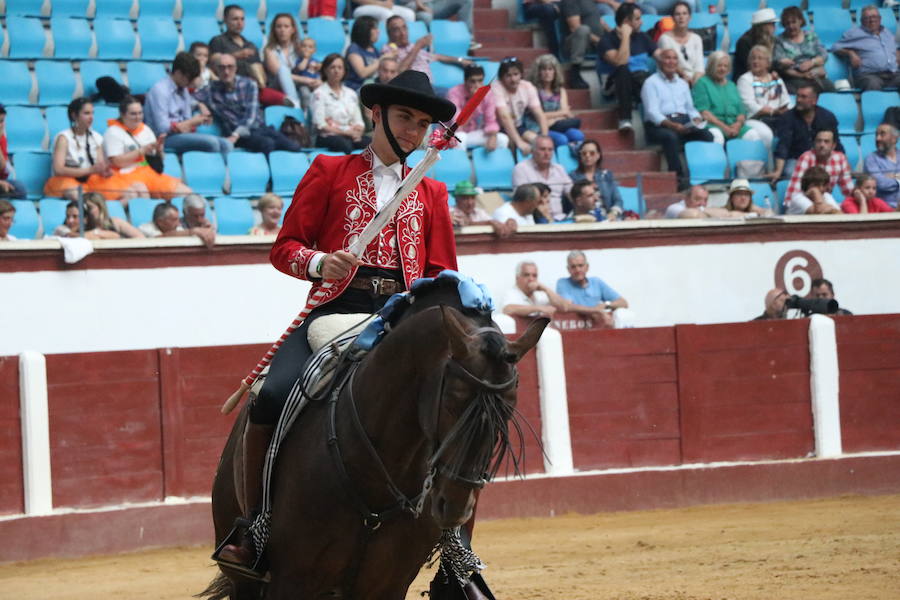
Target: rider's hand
338	265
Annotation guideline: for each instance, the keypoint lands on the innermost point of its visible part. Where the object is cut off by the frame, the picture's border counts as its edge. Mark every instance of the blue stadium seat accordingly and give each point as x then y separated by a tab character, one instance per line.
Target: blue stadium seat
444	75
632	199
836	68
69	8
113	9
25	129
26	37
16	88
26	223
116	210
72	39
329	35
91	70
291	7
703	20
288	168
157	8
102	114
141	210
159	38
844	108
565	158
53	213
234	216
866	146
254	33
415	157
451	37
204	172
738	23
142	75
874	104
57	120
851	151
830	23
249	174
739	149
453	167
780	191
763	196
212	129
251	10
23	8
56	82
200	28
199	8
780	5
275	115
490	69
493	170
115	38
32	169
171	165
706	161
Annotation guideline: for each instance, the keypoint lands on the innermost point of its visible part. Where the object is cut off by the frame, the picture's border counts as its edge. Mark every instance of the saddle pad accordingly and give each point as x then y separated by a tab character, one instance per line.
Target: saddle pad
327	328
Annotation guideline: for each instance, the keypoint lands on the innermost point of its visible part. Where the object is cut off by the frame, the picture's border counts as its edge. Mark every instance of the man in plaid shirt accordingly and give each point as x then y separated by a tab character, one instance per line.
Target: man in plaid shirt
824	155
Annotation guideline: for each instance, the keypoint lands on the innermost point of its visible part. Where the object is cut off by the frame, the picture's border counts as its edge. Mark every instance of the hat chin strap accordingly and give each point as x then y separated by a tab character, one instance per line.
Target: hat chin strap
395	146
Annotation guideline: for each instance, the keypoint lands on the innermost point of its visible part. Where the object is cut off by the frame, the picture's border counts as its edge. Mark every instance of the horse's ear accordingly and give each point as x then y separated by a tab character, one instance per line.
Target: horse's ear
456	332
527	340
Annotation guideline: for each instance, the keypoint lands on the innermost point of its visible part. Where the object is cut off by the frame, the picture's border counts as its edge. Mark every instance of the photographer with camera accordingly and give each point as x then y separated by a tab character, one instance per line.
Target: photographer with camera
824	290
775	305
778	302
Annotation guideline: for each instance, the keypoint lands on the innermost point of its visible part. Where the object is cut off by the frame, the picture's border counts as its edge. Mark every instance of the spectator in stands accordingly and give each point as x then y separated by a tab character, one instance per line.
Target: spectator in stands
467	212
98	225
762	92
542	213
814	197
774	303
282	52
546	75
591	296
797	129
531	298
761	33
590	168
625	55
416	56
169	109
233	101
519	211
671	118
693	206
307	72
381	10
718	100
546	13
609	7
362	57
863	199
581	19
388	68
232	42
884	164
78	159
585	203
541	168
167	224
740	201
687	45
482	128
518	104
7	216
826	156
10	188
193	213
270	207
799	55
428	10
336	116
128	142
872	51
200	51
71	225
823	289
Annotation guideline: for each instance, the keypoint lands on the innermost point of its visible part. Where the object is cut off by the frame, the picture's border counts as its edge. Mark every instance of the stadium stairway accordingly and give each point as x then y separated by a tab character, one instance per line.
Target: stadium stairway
501	37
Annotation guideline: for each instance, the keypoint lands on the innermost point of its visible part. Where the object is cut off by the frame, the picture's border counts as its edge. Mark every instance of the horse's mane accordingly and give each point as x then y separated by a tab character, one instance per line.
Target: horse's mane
436	292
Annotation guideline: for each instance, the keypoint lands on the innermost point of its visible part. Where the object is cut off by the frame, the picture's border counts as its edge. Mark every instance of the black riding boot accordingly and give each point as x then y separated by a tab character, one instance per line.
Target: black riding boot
243	553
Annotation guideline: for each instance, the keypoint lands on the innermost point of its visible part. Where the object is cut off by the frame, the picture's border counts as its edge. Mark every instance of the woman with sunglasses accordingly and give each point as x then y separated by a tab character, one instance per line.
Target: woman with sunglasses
686	44
590	168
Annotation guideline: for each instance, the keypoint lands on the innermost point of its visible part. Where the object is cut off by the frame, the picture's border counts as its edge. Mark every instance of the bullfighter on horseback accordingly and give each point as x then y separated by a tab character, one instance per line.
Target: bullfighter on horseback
335	200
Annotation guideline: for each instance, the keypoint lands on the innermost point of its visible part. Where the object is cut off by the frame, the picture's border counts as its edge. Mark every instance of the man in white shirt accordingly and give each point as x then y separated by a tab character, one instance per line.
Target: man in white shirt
540	168
530	297
521	210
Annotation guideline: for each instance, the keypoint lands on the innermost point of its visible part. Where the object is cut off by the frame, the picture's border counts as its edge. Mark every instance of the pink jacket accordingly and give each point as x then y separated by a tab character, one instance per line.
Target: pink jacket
484	117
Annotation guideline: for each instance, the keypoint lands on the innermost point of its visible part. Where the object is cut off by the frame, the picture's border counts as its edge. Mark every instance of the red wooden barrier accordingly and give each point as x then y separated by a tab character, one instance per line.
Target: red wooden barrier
744	391
622	387
869	358
529	405
11	490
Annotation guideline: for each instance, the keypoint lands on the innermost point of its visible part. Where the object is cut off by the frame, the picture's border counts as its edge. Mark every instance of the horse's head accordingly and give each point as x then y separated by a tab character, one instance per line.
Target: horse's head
469	421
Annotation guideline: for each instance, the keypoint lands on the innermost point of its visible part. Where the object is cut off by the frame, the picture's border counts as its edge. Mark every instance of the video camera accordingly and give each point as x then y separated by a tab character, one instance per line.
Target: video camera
807	306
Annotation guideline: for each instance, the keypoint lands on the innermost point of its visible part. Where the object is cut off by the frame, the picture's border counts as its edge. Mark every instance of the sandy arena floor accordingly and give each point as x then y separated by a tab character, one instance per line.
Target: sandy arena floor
834	549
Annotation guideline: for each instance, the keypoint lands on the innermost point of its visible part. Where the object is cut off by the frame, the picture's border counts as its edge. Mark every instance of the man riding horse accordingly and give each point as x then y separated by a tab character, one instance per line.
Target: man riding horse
335	200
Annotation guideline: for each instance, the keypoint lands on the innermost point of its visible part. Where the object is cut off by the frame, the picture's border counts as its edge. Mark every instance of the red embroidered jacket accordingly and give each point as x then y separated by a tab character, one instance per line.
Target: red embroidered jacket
335	200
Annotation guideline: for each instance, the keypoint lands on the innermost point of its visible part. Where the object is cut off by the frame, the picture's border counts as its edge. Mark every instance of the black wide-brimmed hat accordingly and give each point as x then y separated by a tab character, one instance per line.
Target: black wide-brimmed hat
409	88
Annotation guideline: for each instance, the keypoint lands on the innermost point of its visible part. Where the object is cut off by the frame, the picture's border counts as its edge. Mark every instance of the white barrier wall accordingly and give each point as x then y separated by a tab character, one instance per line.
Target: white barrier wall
118	309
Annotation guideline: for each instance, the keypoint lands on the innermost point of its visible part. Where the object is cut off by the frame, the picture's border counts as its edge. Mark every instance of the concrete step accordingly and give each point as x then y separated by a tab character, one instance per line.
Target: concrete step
596	118
630	161
490	18
526	55
657	182
504	38
579	99
611	139
482	4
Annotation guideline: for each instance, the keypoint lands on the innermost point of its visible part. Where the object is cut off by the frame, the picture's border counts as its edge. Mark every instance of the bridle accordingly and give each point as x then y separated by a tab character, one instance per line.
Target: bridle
402	503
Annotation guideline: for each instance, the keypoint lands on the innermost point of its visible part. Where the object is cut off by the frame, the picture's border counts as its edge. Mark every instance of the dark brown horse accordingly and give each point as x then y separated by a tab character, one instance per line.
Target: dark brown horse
431	403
